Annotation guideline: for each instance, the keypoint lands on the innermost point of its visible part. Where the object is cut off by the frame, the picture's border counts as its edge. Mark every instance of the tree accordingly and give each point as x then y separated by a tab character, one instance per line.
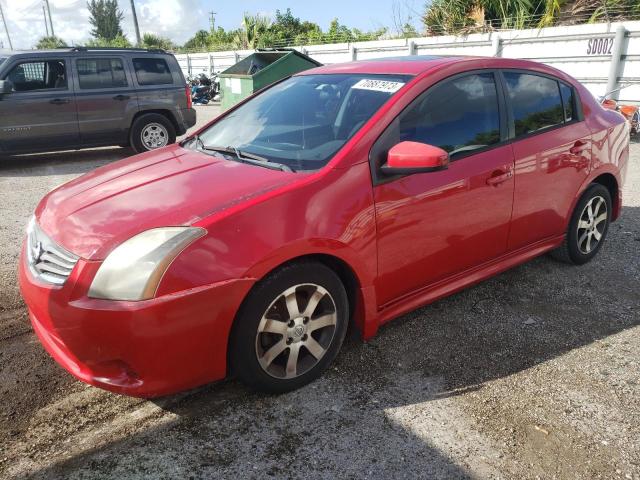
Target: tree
253	27
105	17
118	42
151	40
50	42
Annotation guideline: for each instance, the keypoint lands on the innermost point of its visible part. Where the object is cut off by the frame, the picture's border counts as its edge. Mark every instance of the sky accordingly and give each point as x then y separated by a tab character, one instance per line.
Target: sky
180	19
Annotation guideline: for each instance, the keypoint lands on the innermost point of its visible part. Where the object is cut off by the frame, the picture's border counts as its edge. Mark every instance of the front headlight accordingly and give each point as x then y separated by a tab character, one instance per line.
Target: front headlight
133	270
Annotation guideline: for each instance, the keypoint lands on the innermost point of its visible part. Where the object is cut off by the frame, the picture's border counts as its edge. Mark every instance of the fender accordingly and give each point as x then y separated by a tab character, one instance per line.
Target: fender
365	316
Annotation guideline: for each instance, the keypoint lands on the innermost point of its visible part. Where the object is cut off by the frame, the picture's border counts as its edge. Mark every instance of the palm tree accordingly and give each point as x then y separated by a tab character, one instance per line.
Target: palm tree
253	28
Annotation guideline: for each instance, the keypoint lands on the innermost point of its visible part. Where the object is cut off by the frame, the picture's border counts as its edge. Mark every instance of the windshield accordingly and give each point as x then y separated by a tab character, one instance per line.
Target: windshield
303	121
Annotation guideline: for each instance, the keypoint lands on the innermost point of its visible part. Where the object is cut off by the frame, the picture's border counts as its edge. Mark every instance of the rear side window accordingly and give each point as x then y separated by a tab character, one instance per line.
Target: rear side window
44	75
101	73
535	101
152	71
459	115
567	101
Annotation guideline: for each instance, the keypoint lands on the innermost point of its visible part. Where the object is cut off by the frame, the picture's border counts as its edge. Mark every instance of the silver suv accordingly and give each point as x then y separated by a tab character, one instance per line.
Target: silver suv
75	98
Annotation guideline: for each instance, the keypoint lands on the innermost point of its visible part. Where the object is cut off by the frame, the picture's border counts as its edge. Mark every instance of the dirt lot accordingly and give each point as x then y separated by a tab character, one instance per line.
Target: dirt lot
533	374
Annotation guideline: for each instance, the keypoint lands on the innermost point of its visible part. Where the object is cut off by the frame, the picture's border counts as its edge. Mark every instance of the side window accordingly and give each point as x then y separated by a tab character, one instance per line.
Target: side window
459	115
152	71
535	101
101	73
568	101
42	75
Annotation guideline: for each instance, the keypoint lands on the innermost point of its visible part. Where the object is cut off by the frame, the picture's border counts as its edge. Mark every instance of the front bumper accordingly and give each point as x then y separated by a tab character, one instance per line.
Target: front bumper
145	349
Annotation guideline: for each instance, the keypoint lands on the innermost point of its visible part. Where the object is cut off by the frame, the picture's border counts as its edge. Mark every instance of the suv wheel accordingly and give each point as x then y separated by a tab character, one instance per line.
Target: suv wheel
290	328
151	131
588	227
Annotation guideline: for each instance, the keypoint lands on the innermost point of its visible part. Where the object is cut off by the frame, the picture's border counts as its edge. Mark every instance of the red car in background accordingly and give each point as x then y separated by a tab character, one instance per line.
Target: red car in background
346	195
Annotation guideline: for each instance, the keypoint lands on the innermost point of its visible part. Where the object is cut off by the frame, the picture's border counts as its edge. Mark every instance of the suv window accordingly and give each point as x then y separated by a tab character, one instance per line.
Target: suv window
535	101
2	59
101	73
152	71
40	75
458	115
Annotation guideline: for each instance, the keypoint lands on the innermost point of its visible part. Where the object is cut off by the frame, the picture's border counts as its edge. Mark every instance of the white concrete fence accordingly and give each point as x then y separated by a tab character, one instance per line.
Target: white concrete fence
603	56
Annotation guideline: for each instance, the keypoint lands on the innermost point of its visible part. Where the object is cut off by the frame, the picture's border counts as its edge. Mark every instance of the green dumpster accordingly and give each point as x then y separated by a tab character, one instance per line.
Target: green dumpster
259	70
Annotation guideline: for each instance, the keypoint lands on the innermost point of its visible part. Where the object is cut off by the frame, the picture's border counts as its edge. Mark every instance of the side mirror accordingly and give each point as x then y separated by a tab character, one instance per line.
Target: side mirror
406	158
6	86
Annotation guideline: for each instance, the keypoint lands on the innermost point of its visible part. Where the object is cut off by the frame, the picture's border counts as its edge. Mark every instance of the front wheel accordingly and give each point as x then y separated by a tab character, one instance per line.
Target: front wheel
588	226
290	328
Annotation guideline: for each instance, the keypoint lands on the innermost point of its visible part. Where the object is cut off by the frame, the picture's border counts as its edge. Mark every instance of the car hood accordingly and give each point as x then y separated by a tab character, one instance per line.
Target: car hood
94	213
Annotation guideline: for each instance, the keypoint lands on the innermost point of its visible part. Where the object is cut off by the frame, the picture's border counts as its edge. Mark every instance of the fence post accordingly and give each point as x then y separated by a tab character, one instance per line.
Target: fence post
210	55
616	59
236	56
412	47
496	46
353	52
188	64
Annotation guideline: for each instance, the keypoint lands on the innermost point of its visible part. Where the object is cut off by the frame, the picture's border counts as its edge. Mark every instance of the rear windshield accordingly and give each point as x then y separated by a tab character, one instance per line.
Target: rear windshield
302	122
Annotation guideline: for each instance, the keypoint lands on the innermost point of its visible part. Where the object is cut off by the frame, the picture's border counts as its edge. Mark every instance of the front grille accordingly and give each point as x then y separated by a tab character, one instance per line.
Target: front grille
48	261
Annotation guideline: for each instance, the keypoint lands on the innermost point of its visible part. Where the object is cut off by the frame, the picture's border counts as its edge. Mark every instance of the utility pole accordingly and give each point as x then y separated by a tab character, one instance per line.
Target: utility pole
46	25
212	20
50	20
5	27
135	22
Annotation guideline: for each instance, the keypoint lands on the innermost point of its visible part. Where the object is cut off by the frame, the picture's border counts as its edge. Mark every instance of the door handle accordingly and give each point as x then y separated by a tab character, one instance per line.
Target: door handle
499	177
121	97
59	101
578	147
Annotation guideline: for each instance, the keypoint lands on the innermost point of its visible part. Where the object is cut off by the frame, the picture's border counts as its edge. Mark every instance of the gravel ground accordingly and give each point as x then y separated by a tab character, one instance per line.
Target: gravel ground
532	374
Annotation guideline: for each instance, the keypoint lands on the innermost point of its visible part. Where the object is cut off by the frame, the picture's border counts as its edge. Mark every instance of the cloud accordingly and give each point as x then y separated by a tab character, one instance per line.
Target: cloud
176	19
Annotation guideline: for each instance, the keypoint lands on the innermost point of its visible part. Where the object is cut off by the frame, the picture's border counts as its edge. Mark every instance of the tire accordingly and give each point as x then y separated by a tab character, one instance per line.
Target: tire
581	242
254	343
158	130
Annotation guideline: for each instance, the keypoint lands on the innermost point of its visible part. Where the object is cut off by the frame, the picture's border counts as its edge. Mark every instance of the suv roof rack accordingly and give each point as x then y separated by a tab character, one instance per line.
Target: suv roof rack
117	49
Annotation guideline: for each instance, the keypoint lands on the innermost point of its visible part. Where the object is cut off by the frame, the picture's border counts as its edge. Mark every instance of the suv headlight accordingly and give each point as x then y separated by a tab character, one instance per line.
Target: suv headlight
134	269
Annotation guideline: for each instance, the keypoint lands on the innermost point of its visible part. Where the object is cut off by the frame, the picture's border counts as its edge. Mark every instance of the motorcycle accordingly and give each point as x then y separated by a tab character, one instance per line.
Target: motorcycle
630	112
204	89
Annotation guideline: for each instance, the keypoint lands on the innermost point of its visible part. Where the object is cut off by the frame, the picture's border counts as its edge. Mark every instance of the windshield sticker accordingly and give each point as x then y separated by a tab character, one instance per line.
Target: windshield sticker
379	85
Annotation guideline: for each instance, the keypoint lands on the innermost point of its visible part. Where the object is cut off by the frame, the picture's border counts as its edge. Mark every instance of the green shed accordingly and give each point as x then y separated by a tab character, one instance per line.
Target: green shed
258	70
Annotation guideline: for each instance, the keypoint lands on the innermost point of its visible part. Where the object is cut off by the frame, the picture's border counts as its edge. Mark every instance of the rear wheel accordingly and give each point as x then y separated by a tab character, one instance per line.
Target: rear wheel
151	131
588	227
290	328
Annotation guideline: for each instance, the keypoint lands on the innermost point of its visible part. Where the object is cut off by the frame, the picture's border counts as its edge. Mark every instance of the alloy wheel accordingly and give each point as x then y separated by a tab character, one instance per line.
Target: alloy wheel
592	224
296	331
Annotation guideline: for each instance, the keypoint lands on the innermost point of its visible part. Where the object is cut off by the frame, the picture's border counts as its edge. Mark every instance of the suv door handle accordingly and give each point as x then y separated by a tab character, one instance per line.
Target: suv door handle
121	97
498	177
59	101
578	147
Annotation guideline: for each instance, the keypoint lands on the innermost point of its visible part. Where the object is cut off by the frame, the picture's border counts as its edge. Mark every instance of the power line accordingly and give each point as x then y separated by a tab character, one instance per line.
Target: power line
6	29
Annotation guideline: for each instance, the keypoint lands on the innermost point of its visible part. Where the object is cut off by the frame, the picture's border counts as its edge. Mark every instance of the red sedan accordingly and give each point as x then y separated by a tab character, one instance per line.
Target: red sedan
343	196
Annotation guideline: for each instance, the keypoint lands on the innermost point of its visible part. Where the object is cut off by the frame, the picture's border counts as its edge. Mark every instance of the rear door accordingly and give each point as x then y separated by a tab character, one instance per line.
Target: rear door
107	99
40	112
552	152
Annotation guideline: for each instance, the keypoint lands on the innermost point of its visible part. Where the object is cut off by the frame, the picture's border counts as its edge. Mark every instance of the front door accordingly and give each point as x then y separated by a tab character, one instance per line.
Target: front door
40	111
433	225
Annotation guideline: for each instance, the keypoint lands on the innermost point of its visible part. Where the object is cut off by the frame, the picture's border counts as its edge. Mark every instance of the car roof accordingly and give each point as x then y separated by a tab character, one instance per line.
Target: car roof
81	51
418	64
